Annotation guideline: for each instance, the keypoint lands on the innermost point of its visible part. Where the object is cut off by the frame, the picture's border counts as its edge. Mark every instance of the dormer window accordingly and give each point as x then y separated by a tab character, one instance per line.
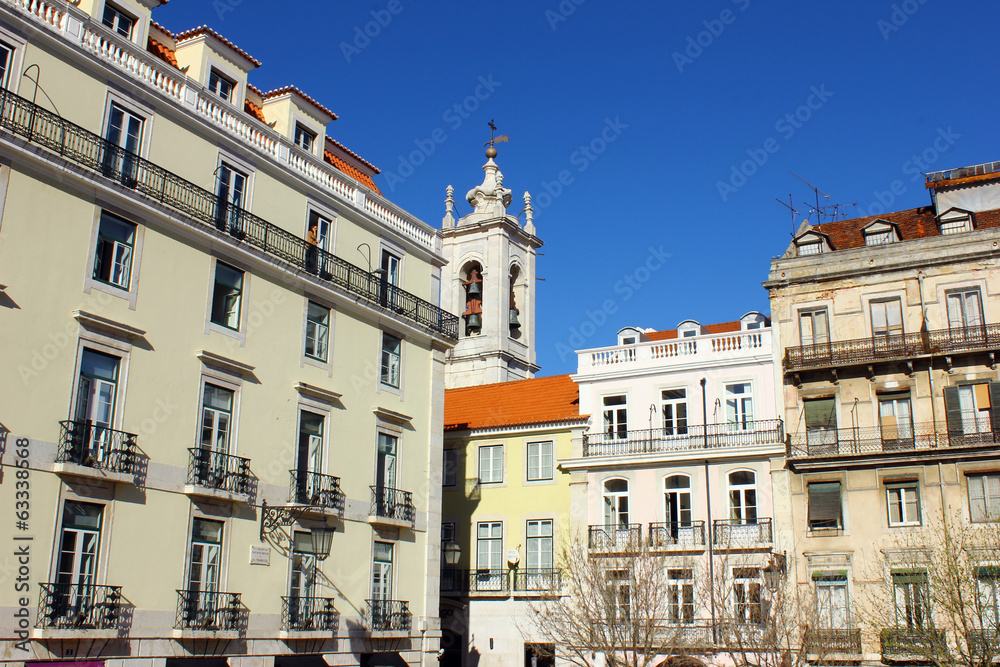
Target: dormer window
690	333
812	243
879	238
753	320
753	325
220	85
304	139
118	21
880	232
810	248
628	341
955	221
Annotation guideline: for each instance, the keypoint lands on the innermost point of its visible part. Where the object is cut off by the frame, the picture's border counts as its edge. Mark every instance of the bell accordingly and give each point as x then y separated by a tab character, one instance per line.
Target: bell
514	324
474	321
475	289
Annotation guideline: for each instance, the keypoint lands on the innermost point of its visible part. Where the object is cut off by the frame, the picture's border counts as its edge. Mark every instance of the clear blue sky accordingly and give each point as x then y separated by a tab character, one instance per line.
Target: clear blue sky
680	91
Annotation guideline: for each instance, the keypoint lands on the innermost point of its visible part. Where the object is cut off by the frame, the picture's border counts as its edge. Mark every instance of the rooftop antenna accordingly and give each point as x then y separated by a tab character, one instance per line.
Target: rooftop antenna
790	208
836	210
817	192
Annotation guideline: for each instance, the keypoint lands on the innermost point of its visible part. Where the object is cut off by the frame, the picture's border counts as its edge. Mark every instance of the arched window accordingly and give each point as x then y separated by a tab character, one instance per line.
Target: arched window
472	284
743	497
616	503
677	501
514	314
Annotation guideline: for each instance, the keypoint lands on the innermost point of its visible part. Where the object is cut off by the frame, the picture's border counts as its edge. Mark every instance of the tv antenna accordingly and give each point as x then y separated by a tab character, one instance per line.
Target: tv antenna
836	210
817	192
791	210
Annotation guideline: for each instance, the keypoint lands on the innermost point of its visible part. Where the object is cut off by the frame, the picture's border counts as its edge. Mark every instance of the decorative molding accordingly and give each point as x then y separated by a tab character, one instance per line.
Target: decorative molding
116	329
317	393
392	416
230	365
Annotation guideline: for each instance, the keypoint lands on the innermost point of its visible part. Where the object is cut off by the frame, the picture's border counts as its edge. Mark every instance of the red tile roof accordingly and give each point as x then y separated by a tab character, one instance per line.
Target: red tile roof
205	30
914	223
162	52
352	171
538	401
254	111
162	29
724	327
292	89
354	155
947	182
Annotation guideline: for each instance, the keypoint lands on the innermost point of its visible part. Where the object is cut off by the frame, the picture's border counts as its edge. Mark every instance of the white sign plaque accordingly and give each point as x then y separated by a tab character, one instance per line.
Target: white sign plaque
260	555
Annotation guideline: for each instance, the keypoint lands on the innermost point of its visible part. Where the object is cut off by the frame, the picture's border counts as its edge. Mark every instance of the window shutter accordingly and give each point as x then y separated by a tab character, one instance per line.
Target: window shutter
953	410
824	505
995	405
821	413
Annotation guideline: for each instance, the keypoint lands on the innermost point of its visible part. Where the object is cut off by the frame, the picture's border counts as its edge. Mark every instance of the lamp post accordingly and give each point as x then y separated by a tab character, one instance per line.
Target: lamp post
452	553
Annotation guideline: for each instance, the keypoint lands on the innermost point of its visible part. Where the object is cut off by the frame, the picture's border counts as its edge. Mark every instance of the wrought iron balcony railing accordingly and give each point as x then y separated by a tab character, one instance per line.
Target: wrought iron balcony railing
741	533
899	347
388	615
677	534
899	437
542	580
682	439
215	470
984	641
819	641
308	614
208	610
391	503
79	606
315	489
913	641
41	127
453	580
623	537
489	581
94	446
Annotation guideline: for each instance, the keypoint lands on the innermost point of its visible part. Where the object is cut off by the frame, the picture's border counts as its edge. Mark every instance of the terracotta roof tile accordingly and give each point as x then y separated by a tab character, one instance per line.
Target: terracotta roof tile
255	89
352	171
162	29
354	155
724	327
536	401
914	223
162	52
205	30
254	111
292	89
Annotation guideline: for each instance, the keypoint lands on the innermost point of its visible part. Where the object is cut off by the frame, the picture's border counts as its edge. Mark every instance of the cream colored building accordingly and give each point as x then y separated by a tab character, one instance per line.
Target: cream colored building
887	334
176	355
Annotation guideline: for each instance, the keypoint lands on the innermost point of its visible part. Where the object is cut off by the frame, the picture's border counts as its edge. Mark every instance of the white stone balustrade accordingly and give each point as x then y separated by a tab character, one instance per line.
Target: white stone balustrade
707	349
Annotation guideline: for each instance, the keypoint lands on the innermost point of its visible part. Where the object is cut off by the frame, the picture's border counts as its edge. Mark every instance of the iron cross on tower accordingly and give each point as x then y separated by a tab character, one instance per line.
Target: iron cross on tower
501	138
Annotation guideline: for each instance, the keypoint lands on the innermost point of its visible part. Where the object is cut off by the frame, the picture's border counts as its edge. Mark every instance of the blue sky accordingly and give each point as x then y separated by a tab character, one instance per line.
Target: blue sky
673	126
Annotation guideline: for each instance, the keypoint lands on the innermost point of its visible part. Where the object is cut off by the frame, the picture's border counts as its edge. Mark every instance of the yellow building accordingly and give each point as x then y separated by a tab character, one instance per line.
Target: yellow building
887	334
506	511
222	349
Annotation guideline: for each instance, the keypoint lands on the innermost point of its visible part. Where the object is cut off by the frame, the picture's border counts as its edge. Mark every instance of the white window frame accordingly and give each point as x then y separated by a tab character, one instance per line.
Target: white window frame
679	590
966	321
983	482
744	418
391	570
303	137
108	347
826	586
400	358
743	612
613	428
674	429
744	506
813	312
537	473
494	454
896	494
318	337
222	77
494	541
11	79
210	326
120	13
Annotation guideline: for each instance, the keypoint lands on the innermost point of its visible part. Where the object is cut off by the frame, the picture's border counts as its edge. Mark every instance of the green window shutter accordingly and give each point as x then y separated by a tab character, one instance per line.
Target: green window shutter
953	410
824	505
995	405
821	413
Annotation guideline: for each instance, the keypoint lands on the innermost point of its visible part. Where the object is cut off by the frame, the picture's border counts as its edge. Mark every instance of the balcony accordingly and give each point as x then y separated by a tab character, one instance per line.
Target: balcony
826	641
316	490
202	612
741	533
542	581
308	615
218	475
675	535
614	539
453	580
391	507
71	142
902	347
91	450
709	350
913	643
97	610
388	616
696	438
488	582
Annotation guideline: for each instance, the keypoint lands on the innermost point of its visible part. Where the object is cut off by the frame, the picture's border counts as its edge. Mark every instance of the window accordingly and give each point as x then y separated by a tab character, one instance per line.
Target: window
956	225
831	600
76	572
226	296
385	462
628	341
203	571
309	489
489	545
317	331
814	327
6	61
673	405
539	461
118	21
677	502
753	325
216	418
911	597
123	136
391	352
96	397
220	85
382	579
230	194
810	248
620	584
743	497
680	596
113	259
965	309
879	237
690	333
448	533
825	508
739	406
304	139
616	504
903	501
303	580
450	471
491	464
887	318
988	585
896	421
821	425
389	280
972	411
746	595
615	416
984	497
539	546
316	258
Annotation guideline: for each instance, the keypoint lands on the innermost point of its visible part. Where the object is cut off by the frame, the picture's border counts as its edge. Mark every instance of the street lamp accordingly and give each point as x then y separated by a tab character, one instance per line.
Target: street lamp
273	518
452	553
775	571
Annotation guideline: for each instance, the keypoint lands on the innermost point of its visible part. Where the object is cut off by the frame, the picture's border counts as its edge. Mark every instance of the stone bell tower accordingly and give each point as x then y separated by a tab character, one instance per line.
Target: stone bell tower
489	283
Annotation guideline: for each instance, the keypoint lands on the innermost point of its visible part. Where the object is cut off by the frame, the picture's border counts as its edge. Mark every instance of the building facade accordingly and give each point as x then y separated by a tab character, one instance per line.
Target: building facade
886	334
224	350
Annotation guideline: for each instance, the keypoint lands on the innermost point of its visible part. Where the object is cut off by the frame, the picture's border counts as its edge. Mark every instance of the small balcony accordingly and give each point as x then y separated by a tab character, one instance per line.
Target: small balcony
486	582
391	507
91	450
208	612
741	533
912	643
677	535
695	438
316	490
308	615
901	347
88	609
388	616
218	475
540	581
839	641
623	538
453	581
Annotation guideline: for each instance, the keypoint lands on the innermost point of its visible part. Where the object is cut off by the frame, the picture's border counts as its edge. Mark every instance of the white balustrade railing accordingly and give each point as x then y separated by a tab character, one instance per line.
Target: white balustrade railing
714	347
149	70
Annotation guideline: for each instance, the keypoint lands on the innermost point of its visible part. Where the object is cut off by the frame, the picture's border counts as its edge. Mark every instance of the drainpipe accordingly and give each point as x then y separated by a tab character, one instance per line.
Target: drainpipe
708	518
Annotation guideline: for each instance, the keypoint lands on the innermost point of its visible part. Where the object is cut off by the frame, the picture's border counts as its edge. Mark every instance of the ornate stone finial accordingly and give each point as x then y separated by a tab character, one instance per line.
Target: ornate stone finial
529	214
449	207
491	197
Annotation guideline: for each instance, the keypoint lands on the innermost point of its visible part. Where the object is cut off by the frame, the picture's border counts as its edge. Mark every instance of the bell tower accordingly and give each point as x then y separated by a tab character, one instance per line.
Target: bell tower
489	282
